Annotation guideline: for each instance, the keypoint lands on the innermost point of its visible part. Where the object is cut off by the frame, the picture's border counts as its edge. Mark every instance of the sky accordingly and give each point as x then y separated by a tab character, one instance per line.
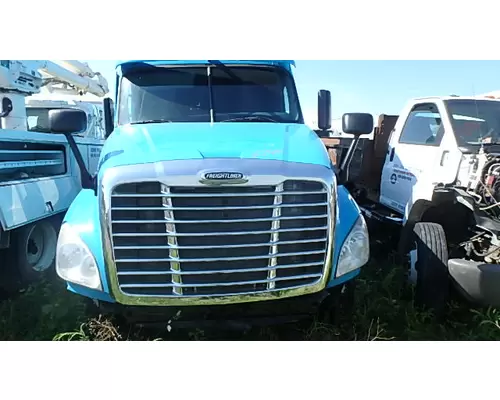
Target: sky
377	87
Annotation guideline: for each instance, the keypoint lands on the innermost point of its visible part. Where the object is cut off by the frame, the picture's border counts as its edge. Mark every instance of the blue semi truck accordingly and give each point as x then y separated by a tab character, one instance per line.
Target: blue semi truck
213	200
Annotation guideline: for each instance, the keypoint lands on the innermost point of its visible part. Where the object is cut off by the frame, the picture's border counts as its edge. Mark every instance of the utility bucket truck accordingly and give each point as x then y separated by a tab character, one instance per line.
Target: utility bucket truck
213	201
41	169
433	173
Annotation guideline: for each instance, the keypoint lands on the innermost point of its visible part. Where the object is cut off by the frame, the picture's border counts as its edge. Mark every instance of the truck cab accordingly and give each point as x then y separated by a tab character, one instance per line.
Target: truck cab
433	170
212	194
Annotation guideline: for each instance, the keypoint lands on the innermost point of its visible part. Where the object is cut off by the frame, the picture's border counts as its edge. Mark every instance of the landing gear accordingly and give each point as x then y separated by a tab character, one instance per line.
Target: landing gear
429	267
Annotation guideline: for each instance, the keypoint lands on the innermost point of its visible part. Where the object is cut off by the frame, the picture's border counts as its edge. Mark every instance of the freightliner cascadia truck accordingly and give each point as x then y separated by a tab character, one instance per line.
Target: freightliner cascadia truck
213	201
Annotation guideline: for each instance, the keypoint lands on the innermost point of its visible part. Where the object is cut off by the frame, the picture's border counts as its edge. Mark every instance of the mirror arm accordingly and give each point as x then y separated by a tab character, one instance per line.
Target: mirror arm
344	167
87	181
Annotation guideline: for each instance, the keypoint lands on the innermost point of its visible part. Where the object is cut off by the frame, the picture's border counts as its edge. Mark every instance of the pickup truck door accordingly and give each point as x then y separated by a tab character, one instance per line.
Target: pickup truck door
415	154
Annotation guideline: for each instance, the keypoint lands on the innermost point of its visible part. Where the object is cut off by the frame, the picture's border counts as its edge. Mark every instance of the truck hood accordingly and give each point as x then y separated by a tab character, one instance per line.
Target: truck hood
141	144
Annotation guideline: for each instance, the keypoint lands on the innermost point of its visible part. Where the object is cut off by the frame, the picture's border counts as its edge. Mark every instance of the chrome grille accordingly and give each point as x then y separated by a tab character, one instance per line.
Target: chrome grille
218	241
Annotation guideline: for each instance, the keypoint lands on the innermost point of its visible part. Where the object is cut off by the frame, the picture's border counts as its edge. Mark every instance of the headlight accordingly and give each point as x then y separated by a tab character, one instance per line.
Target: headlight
74	261
356	249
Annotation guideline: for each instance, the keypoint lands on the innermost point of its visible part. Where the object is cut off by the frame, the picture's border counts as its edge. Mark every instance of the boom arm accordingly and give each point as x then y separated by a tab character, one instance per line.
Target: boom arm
64	76
22	78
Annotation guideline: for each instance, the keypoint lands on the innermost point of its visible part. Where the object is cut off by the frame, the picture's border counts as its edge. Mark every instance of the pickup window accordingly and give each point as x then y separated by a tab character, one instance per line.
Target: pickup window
205	94
423	126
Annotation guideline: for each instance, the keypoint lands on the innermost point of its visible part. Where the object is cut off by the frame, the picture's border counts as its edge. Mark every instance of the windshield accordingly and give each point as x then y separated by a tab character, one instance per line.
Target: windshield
208	93
475	122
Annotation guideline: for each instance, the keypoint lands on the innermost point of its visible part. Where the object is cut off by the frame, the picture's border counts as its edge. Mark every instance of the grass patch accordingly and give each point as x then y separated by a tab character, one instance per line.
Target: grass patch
384	311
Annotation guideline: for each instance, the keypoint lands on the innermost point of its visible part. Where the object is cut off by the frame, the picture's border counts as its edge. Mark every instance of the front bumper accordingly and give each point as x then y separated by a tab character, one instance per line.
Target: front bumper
479	282
232	316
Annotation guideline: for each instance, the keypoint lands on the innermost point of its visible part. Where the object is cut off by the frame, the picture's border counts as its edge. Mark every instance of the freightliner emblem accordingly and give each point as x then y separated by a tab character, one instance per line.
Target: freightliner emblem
223	178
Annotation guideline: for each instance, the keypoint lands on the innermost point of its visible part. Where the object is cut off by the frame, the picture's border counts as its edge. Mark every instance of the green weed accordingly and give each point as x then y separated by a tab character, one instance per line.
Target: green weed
383	311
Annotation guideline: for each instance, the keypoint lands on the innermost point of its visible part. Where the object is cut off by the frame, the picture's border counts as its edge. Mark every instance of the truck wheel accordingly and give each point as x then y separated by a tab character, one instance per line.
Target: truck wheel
429	267
35	247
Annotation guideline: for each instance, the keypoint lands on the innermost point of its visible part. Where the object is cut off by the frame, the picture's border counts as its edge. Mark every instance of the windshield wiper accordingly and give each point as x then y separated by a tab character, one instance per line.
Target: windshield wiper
151	121
254	118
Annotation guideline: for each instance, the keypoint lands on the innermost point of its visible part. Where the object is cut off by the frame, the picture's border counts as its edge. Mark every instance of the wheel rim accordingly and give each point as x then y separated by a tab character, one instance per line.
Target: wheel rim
40	247
34	246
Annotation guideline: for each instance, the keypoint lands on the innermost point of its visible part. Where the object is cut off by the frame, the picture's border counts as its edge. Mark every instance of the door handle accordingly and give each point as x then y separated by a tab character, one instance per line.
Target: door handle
393	153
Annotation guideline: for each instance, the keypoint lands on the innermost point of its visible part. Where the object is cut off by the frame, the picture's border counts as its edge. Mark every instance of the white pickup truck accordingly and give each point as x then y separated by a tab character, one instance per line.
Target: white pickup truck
434	172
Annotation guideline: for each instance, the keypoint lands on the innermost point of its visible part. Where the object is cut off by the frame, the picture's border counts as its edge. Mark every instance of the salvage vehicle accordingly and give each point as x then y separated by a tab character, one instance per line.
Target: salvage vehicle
433	173
213	201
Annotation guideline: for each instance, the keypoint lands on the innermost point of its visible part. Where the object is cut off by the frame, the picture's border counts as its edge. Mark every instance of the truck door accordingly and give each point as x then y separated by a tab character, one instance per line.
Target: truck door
413	155
94	153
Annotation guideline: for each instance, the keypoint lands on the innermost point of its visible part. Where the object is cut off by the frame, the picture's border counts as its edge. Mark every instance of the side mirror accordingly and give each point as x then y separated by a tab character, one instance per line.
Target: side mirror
357	124
67	121
109	124
324	110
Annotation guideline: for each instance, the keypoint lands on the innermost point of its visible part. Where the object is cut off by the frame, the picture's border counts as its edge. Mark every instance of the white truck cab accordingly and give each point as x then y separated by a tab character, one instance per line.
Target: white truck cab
435	170
426	148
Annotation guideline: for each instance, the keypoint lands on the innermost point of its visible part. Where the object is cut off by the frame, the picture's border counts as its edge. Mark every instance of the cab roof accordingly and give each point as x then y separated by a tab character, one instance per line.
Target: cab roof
287	64
453	97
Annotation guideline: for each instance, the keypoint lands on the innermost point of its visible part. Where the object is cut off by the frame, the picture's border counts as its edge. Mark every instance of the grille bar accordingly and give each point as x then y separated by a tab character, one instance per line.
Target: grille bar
219	233
234	246
204	195
187	260
222	221
215	208
224	271
201	285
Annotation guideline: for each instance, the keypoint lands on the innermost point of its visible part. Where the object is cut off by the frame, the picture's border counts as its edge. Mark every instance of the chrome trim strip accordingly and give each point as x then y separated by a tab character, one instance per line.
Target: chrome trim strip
185	173
173	251
275	237
216	299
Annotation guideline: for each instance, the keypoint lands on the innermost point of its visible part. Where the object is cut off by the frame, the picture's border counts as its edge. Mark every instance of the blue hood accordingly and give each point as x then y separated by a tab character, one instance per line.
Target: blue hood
140	144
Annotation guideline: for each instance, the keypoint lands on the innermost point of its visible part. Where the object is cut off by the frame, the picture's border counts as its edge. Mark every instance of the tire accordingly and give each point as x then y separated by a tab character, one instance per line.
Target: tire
432	277
32	254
